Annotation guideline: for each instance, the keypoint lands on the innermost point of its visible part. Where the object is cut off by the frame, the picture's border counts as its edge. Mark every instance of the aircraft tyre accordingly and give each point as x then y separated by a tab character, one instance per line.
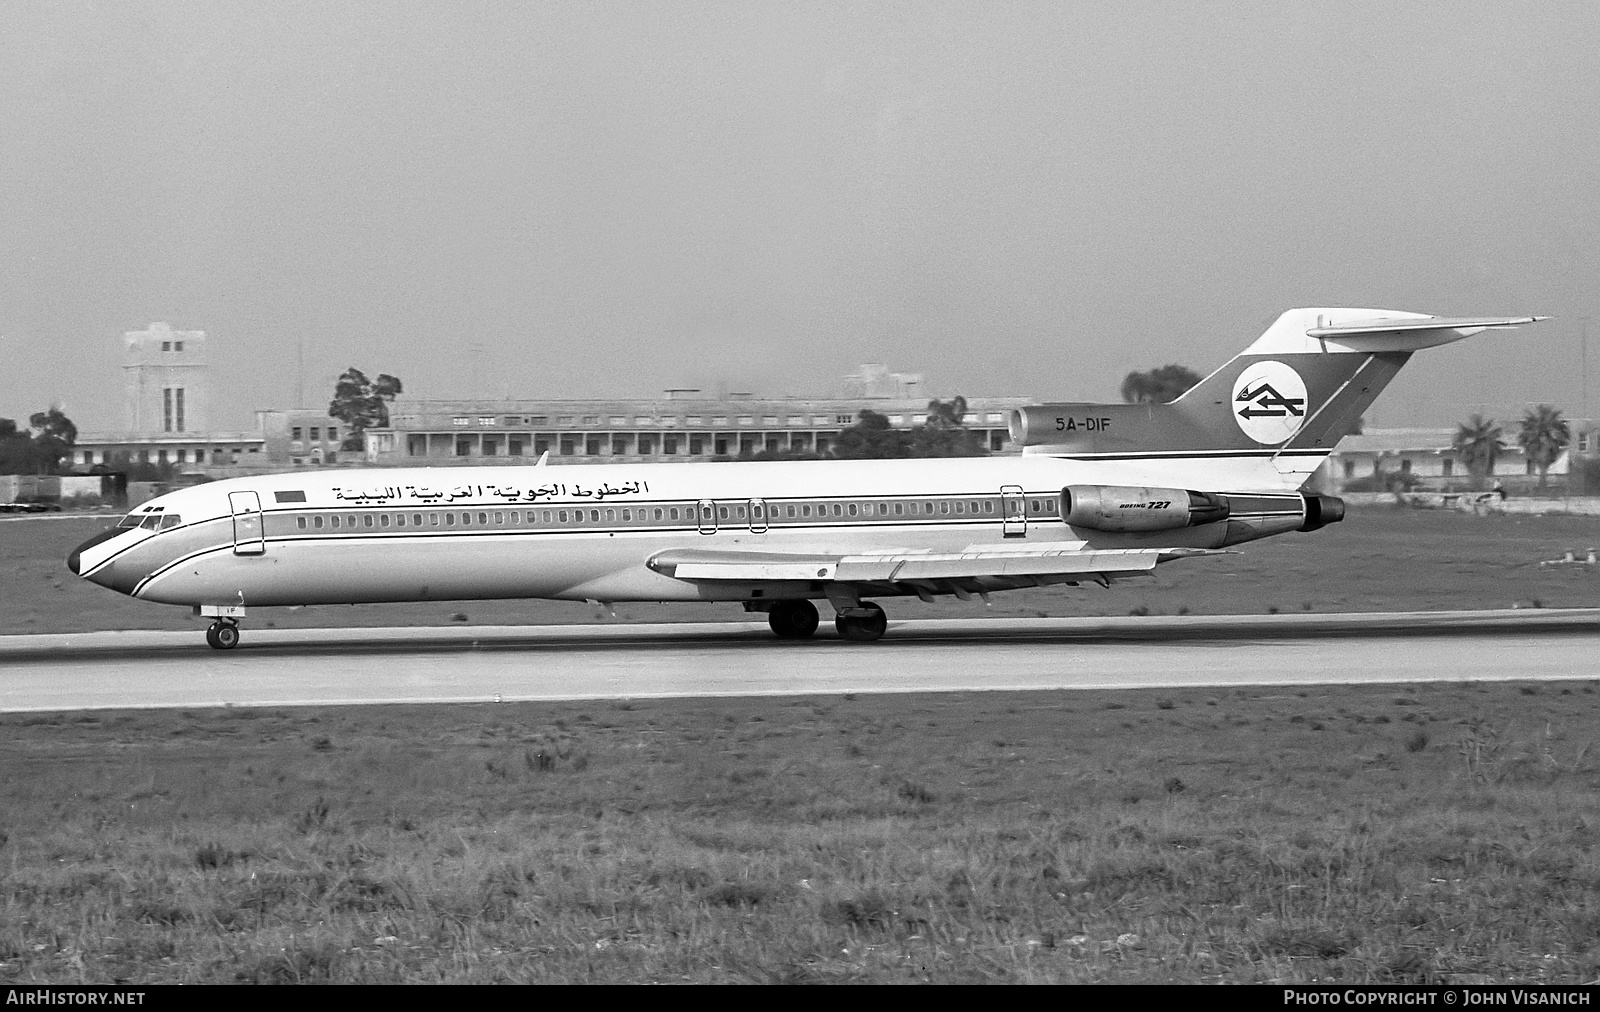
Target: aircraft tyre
863	630
222	635
793	620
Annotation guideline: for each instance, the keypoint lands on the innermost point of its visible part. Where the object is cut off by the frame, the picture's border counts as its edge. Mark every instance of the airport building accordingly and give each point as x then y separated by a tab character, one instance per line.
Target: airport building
166	408
167	401
681	425
1428	458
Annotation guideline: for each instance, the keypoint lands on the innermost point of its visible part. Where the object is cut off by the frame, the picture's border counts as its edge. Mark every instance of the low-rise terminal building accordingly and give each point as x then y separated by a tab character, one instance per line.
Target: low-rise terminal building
678	427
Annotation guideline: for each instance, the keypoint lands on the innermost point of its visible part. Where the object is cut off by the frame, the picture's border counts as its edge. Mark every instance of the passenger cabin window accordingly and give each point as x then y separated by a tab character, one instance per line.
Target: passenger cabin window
334	521
316	522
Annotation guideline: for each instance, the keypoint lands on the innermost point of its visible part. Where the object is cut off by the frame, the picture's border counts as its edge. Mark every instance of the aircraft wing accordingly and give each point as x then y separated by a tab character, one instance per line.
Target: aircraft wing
985	566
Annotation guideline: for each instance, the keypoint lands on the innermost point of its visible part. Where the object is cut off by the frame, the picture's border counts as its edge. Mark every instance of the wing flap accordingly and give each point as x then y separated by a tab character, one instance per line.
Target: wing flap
763	567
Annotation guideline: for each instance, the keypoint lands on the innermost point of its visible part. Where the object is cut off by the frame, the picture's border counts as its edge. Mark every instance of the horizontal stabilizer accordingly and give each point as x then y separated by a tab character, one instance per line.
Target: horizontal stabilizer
1472	324
1370	331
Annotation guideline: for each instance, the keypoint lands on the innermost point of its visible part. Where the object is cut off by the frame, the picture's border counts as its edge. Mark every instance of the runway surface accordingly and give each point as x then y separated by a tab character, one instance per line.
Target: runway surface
477	664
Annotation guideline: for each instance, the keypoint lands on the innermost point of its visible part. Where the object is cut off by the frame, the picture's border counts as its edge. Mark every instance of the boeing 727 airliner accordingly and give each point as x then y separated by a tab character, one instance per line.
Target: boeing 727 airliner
1099	493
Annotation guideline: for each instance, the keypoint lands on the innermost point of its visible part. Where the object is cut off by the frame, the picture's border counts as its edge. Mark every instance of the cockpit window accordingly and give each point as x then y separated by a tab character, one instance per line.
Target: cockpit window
131	520
170	520
152	522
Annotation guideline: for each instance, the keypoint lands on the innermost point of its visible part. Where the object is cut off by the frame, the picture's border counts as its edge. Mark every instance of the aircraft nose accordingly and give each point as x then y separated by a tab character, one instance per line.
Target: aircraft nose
75	560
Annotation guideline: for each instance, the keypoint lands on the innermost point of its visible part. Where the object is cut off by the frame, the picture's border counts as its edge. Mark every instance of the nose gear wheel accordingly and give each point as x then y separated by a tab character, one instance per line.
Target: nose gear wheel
222	635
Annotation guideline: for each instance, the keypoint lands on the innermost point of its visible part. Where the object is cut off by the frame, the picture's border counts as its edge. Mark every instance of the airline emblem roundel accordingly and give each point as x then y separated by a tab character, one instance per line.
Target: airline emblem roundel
1269	402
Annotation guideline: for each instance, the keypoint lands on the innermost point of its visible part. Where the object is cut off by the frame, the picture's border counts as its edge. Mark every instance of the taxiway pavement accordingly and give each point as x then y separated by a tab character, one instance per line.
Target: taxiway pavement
477	664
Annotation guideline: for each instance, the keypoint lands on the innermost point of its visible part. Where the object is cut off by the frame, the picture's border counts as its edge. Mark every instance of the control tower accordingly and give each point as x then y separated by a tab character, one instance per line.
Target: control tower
165	380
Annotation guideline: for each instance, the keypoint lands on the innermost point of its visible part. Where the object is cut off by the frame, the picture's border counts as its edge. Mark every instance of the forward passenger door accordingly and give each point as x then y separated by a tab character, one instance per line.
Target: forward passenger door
248	534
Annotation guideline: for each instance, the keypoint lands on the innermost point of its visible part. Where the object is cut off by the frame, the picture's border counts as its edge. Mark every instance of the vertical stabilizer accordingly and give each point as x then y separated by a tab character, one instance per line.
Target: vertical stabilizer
1289	397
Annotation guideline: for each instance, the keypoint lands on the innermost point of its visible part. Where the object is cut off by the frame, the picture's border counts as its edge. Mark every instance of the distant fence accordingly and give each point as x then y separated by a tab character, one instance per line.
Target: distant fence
1480	502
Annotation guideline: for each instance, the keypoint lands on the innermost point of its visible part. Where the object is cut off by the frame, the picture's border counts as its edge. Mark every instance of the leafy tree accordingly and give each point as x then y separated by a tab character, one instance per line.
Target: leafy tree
1158	386
945	433
1542	436
362	404
55	439
40	453
871	438
16	449
1477	443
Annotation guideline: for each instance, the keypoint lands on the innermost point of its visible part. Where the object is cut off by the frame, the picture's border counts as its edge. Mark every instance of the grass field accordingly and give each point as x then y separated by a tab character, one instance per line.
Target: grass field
1354	834
1390	834
1378	560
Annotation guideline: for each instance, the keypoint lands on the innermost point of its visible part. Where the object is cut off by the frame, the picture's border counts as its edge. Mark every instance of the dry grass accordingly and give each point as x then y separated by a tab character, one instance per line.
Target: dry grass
1356	834
1379	560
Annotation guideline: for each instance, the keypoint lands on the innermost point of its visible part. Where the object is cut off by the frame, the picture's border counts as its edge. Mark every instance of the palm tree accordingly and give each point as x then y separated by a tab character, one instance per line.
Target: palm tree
1477	443
1544	434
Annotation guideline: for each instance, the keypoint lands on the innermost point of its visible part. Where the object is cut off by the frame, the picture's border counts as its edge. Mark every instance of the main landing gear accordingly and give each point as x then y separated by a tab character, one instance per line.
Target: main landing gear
223	634
797	620
793	620
863	628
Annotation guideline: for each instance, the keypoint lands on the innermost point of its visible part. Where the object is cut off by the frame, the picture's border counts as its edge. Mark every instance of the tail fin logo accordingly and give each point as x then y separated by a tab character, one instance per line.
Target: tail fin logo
1270	405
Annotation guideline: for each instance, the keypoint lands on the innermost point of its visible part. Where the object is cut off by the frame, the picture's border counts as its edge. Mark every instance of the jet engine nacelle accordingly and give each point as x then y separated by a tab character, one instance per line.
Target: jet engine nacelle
1120	508
1066	424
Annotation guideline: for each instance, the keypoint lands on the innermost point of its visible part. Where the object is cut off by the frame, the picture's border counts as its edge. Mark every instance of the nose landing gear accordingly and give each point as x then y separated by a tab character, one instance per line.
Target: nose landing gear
223	634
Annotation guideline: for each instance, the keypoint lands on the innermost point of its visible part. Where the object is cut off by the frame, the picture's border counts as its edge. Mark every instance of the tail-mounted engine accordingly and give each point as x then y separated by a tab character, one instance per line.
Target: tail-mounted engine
1120	508
1250	515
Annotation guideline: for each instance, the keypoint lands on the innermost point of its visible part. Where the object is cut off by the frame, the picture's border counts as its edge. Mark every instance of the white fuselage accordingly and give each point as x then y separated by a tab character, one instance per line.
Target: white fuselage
590	533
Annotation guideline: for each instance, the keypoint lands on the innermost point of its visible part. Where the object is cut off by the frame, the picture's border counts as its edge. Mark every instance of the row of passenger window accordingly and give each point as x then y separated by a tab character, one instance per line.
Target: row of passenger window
755	511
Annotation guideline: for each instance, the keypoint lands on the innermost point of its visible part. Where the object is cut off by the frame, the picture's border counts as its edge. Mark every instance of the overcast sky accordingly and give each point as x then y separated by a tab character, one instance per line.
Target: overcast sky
584	200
